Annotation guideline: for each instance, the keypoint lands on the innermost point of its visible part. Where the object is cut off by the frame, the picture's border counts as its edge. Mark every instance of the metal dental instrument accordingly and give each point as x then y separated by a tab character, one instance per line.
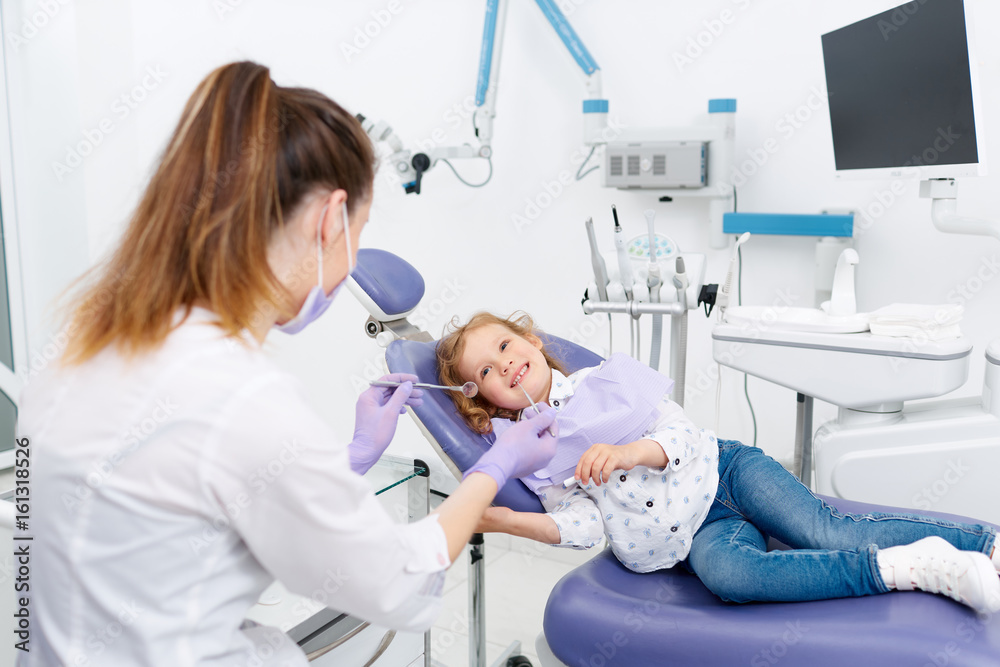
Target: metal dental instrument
624	263
535	406
600	269
468	389
600	274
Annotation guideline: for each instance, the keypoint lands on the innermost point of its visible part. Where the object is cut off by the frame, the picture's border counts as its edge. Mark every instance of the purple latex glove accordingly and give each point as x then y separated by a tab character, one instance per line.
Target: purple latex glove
522	449
375	419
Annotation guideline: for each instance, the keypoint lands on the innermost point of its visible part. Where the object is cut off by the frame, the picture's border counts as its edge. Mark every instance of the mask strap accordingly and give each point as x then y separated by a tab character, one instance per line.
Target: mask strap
347	238
319	247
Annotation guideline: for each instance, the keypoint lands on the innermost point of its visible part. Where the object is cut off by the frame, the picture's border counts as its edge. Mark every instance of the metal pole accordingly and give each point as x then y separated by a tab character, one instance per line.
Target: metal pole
477	601
802	463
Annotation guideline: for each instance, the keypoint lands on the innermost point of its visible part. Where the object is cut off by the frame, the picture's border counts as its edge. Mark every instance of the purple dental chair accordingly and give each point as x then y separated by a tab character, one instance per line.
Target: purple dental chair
602	614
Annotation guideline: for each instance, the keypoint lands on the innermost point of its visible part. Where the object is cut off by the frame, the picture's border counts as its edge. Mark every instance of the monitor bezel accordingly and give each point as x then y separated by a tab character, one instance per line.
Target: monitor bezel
924	172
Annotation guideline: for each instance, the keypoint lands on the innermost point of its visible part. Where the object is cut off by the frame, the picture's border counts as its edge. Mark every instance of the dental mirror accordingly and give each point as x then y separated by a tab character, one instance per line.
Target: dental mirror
469	389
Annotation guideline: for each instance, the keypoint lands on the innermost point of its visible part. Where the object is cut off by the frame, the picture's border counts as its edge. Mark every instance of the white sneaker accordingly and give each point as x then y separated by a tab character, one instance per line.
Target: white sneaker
935	566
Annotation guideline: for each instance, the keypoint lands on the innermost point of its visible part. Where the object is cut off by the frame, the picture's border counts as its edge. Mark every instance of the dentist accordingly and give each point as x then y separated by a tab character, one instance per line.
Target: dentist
176	471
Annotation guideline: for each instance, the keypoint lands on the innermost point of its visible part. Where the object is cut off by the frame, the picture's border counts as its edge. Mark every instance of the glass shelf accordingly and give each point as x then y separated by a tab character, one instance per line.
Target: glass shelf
390	471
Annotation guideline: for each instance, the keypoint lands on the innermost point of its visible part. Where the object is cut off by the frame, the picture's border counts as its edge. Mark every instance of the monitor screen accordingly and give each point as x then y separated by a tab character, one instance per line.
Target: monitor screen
900	90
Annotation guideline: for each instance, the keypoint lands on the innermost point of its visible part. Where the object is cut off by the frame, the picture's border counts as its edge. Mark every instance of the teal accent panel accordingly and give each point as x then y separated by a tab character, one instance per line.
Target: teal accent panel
789	224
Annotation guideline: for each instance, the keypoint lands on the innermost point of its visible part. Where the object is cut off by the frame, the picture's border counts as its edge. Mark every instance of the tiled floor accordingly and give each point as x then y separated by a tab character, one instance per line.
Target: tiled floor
520	574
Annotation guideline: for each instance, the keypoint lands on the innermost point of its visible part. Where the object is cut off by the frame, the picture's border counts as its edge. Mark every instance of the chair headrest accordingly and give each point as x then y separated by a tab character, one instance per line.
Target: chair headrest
386	285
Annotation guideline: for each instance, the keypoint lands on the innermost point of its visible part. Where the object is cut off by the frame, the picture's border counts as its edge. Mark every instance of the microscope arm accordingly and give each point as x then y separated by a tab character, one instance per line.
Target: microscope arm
410	167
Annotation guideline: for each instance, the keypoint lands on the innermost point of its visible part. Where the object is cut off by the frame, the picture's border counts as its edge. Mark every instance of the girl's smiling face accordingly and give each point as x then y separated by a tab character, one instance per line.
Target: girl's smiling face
498	361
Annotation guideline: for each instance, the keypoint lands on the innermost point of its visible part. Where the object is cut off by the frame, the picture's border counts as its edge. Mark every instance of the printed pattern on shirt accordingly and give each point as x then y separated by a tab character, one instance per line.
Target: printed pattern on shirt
648	515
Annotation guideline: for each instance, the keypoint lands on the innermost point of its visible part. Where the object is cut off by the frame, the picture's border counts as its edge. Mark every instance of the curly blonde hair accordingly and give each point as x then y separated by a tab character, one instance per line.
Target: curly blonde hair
477	411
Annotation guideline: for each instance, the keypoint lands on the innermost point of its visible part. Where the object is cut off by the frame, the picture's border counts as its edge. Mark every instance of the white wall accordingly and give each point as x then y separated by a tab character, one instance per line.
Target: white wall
68	78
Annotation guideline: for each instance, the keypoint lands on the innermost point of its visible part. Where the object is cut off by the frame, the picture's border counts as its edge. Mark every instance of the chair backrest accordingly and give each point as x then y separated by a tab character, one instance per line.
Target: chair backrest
452	438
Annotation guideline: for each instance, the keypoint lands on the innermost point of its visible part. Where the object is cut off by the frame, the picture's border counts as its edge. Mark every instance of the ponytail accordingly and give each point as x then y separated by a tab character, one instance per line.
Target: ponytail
242	159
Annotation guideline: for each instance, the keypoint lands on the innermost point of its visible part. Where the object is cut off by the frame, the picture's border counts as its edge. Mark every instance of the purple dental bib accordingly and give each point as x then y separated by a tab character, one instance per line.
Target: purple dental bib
613	404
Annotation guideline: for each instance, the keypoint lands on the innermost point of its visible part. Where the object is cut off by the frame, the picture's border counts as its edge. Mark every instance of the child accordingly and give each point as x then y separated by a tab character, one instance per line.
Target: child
665	492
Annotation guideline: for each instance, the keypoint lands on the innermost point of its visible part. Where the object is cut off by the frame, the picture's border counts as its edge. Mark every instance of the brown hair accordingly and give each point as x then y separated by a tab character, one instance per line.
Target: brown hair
477	411
245	154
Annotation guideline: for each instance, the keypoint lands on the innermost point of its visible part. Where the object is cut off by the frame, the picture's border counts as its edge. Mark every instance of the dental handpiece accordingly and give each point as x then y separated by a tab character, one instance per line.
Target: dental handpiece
725	292
624	263
600	269
653	279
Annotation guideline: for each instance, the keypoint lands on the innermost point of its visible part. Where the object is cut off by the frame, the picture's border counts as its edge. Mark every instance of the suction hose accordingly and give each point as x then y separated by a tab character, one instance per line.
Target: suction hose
679	333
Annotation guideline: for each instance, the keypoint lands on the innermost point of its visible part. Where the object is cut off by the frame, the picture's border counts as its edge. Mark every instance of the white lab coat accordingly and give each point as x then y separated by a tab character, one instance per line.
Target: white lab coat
168	492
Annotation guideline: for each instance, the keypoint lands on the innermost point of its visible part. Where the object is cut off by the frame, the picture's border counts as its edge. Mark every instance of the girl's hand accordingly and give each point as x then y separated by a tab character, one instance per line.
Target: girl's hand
601	460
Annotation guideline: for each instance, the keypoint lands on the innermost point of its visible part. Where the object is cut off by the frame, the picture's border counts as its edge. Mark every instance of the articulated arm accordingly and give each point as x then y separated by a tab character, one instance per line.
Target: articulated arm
411	167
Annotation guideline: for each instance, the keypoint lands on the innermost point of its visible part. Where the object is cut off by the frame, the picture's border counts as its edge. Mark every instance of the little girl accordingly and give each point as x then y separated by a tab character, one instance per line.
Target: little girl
632	466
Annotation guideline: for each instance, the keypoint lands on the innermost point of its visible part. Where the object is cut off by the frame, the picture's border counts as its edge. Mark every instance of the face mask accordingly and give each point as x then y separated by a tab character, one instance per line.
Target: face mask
317	301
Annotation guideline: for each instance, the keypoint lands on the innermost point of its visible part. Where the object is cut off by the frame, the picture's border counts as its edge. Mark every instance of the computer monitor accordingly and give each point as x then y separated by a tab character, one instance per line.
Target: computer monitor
902	94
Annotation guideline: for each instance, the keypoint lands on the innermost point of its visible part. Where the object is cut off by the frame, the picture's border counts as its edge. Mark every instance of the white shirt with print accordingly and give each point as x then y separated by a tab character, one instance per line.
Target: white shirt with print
649	515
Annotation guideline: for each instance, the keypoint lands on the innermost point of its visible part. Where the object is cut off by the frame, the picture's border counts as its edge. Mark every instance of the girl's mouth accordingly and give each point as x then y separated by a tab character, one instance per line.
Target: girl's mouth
520	374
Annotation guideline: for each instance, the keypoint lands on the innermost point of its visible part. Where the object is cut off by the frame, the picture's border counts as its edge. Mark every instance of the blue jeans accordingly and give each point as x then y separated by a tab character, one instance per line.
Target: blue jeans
832	553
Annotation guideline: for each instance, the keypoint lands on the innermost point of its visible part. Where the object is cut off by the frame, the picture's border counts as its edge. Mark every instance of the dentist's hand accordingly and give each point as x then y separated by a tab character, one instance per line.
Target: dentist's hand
523	448
376	415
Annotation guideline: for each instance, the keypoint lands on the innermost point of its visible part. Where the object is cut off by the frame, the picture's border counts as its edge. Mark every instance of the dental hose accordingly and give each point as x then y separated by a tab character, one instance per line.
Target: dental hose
653	282
654	346
638	340
678	338
678	334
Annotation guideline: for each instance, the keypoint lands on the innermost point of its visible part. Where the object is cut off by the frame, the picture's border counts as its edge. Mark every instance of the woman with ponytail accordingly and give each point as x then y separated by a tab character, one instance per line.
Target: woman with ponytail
176	471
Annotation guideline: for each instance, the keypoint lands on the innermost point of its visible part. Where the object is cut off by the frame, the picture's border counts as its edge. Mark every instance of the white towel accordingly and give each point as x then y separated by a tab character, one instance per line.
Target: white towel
935	322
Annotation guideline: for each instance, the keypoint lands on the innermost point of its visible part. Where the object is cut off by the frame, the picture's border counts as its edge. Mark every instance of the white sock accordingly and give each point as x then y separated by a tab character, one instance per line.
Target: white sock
995	557
886	569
